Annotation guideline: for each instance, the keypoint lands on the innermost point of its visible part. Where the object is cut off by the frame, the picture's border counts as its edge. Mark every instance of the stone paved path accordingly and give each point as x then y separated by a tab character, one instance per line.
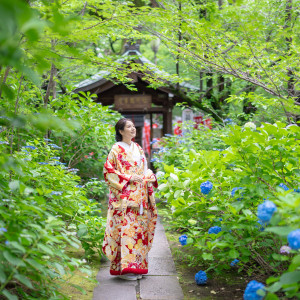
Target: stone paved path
161	283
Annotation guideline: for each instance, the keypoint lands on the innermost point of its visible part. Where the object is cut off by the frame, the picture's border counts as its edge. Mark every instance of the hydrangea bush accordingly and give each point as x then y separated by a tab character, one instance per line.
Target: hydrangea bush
256	223
45	206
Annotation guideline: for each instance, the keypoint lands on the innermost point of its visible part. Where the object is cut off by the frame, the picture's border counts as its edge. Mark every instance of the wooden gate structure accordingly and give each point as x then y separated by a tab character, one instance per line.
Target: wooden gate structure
145	100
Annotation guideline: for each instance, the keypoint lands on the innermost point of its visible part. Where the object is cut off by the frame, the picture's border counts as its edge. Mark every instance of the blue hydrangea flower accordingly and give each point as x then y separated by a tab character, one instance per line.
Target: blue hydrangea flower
4	142
227	120
294	239
206	187
153	159
234	262
234	190
55	157
214	230
7	243
201	278
297	190
181	142
282	185
30	147
54	146
56	193
183	239
168	135
3	229
73	170
79	186
266	210
47	140
153	141
251	290
43	163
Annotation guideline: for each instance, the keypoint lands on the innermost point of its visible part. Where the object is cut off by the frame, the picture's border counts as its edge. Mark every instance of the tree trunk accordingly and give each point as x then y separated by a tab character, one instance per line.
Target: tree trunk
4	79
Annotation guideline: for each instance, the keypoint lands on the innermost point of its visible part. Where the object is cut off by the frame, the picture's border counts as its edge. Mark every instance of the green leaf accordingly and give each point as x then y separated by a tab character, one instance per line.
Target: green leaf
169	169
2	276
271	296
233	253
18	246
45	248
163	187
207	256
13	259
9	296
60	268
290	277
174	176
280	230
24	280
36	265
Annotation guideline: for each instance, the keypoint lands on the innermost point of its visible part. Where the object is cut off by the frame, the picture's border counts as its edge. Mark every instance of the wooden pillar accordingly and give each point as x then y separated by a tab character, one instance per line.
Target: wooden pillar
167	122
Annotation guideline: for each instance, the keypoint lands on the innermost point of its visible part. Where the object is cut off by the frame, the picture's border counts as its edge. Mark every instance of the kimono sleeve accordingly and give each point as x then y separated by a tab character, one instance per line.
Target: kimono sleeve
113	177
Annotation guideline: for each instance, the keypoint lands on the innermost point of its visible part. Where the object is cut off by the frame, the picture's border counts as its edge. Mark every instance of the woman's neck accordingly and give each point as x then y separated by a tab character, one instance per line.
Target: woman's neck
127	141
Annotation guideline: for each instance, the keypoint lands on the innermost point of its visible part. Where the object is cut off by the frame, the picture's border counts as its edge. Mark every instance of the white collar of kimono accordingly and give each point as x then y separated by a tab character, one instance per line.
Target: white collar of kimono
134	151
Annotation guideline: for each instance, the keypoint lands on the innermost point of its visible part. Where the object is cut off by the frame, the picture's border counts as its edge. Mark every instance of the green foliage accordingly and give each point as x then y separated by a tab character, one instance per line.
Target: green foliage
256	159
42	212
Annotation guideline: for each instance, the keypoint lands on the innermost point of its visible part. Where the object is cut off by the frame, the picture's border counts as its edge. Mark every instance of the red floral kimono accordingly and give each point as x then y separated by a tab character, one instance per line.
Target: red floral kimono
132	213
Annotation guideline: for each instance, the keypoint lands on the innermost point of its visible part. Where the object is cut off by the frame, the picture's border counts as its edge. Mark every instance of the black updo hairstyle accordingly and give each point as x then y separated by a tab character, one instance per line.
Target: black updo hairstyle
120	126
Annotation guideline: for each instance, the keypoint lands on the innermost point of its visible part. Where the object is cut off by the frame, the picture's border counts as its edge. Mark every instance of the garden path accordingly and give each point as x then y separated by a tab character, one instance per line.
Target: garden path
161	283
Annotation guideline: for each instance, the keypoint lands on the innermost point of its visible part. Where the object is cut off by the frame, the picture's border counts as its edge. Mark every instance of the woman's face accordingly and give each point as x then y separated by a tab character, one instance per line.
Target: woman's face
129	131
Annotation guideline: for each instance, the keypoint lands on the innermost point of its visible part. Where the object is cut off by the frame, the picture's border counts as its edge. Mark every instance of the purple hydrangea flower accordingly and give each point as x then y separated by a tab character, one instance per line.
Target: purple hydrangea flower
285	249
214	230
282	185
294	239
183	239
251	290
234	262
206	187
201	278
266	210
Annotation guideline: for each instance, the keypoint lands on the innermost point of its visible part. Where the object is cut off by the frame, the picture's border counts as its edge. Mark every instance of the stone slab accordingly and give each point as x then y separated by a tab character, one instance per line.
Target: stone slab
104	279
160	250
161	266
114	292
160	288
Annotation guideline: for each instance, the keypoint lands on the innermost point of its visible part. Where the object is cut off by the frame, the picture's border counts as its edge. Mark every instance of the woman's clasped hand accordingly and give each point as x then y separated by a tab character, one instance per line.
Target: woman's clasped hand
136	178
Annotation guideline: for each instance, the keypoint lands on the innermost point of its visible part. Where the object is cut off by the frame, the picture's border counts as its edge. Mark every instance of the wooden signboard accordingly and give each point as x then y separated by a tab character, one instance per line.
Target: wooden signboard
132	102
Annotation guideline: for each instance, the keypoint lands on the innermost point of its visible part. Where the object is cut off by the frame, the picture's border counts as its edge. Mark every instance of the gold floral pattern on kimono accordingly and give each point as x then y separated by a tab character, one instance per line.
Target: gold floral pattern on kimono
130	230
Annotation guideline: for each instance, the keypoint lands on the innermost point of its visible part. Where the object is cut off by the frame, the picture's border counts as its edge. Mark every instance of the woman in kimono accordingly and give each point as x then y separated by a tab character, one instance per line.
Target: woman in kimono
132	214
